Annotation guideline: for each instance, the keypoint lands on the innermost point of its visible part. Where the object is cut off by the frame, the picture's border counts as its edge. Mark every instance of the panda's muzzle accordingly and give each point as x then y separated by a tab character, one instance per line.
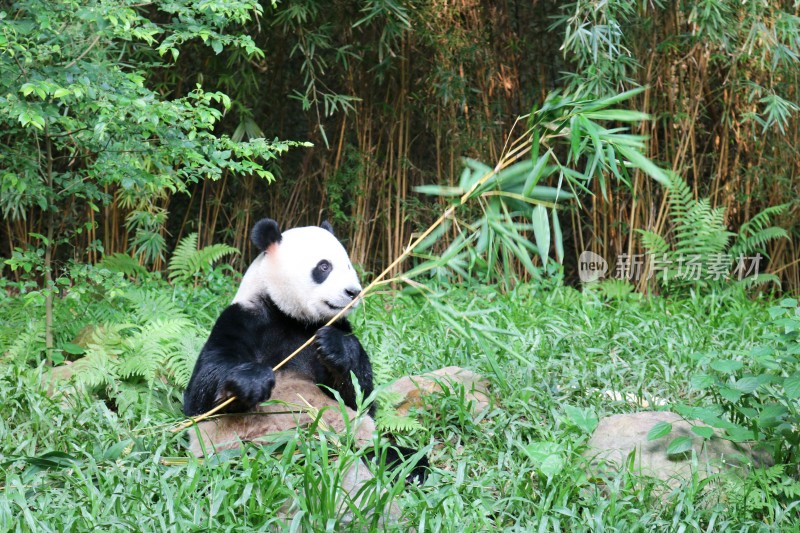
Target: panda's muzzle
351	294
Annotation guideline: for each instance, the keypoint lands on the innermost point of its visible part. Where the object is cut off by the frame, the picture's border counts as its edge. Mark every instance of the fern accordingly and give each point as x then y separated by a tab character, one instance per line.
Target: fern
27	342
123	263
187	261
97	368
616	289
763	487
760	221
752	239
127	396
151	346
382	370
389	421
699	231
654	243
178	365
126	359
149	303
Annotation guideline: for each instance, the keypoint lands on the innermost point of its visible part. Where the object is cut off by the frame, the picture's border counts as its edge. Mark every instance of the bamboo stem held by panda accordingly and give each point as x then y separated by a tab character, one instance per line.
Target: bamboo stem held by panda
199	418
514	153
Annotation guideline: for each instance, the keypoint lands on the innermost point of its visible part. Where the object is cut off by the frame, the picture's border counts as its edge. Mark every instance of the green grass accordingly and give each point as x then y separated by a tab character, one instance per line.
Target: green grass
74	463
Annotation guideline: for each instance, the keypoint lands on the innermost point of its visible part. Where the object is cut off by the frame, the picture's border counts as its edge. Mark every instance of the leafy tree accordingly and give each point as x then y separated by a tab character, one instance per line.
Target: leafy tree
80	123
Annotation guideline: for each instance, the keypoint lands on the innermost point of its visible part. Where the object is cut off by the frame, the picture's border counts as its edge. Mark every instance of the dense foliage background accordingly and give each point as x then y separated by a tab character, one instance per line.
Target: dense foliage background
139	141
392	95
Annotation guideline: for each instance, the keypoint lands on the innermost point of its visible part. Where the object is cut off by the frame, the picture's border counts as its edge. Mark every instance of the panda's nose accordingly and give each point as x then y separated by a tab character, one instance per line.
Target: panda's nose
352	292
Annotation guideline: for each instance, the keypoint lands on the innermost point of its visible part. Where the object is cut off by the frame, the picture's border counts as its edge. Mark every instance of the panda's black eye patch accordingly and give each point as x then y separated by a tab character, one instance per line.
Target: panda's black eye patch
321	271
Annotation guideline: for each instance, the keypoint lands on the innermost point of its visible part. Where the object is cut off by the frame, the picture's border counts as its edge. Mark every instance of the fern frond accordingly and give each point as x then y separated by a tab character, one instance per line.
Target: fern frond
124	263
761	220
616	289
680	198
382	370
747	246
205	258
389	421
187	261
701	230
654	243
751	281
151	347
148	303
97	368
28	342
180	262
179	364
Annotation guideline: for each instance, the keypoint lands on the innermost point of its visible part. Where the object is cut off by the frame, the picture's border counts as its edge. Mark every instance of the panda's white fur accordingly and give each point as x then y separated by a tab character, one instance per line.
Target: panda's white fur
281	271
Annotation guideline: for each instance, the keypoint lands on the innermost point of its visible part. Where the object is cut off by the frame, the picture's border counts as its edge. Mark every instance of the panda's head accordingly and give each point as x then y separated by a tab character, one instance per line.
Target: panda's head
305	271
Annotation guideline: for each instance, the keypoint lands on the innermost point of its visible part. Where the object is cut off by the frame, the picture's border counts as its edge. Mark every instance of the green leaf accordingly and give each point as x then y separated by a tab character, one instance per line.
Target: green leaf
700	413
662	429
791	386
536	174
74	349
641	162
726	366
747	385
620	115
546	456
439	190
731	395
541	231
701	382
771	415
739	434
584	419
558	238
552	465
703	431
679	445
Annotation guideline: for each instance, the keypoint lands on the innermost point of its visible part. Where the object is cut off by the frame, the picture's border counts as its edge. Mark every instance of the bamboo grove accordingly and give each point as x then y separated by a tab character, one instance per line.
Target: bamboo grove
392	95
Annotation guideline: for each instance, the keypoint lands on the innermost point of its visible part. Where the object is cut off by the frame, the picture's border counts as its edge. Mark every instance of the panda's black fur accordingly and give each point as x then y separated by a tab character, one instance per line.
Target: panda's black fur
254	334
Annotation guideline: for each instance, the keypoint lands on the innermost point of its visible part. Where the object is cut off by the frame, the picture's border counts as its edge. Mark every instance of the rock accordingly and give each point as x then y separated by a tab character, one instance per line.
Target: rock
414	388
617	436
56	377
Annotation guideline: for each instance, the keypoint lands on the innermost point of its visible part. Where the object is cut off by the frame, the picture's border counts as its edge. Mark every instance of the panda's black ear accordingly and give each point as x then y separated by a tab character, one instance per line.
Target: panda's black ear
265	233
327	226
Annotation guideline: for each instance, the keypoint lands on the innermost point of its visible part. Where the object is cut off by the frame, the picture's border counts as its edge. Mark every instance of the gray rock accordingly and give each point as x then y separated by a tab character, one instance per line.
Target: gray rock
617	436
413	389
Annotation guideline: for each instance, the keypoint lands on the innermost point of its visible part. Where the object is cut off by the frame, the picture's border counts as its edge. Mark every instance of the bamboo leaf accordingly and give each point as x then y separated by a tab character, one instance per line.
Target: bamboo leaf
644	164
541	231
558	238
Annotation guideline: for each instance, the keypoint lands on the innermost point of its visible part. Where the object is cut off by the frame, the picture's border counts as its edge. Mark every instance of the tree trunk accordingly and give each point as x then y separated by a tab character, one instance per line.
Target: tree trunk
48	257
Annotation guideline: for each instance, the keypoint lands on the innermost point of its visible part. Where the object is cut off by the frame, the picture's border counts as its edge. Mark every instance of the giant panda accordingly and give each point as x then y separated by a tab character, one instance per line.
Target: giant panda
299	281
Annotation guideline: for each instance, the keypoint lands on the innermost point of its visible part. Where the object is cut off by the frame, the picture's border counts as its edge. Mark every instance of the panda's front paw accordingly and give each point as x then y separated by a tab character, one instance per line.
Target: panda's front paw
331	349
251	383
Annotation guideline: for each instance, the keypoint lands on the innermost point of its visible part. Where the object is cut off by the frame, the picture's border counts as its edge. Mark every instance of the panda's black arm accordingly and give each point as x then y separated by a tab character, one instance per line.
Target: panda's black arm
341	353
228	365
